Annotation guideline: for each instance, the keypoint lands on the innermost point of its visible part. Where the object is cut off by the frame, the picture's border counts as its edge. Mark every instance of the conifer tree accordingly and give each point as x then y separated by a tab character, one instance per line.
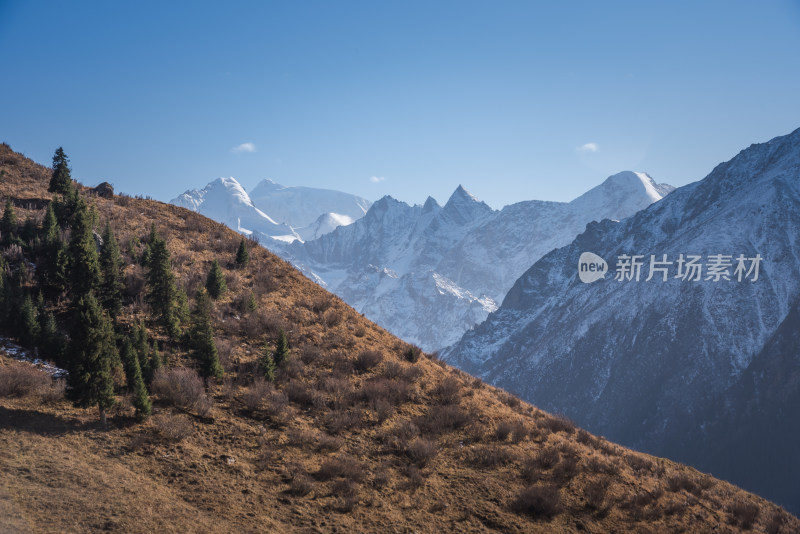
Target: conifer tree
242	255
135	380
201	337
215	282
28	323
8	224
281	354
50	229
155	361
84	263
61	180
128	356
141	349
91	352
251	303
51	340
162	293
111	269
267	363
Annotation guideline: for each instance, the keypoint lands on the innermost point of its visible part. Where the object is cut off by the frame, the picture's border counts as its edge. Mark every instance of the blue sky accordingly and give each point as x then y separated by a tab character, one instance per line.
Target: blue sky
404	98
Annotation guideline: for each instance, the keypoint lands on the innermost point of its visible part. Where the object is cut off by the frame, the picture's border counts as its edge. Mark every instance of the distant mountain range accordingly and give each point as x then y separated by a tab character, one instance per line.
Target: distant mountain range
428	273
704	371
274	211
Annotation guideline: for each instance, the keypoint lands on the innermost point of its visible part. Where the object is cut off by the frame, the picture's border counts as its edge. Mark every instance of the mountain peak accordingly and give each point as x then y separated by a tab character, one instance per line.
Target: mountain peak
430	205
622	194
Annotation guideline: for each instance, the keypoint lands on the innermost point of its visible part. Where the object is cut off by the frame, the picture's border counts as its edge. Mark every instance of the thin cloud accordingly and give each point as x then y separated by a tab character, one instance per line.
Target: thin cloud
589	147
377	179
244	147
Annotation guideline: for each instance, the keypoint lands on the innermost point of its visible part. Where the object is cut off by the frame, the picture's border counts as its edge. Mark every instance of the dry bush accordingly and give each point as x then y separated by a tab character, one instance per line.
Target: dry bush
441	419
595	493
300	486
367	360
20	380
300	393
257	393
134	282
776	522
512	401
448	391
585	438
225	351
393	370
338	421
415	478
558	423
490	456
264	282
639	464
321	302
310	354
540	501
393	392
381	478
598	465
684	482
339	391
742	513
546	458
173	427
181	387
341	467
566	469
347	493
326	442
502	430
262	323
332	318
278	409
300	438
422	451
519	432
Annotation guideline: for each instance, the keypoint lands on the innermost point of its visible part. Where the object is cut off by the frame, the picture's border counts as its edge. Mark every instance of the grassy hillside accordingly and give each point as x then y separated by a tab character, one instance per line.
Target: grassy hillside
359	432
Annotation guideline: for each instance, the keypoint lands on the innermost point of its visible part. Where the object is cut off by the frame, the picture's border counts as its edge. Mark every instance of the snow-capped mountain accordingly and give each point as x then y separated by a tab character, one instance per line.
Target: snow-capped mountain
428	273
226	201
659	365
302	207
274	211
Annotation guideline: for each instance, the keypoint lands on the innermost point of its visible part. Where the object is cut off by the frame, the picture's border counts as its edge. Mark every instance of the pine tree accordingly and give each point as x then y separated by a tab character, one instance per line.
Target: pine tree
141	348
111	268
129	360
91	351
242	255
51	340
8	225
215	282
251	303
162	293
155	361
28	324
84	263
281	354
60	181
267	363
201	337
141	400
50	231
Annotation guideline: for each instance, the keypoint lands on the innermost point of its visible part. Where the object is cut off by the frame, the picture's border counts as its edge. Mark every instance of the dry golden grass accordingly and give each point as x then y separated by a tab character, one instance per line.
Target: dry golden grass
354	438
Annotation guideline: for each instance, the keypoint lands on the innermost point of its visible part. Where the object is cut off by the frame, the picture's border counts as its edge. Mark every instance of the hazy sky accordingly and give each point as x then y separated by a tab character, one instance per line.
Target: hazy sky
514	100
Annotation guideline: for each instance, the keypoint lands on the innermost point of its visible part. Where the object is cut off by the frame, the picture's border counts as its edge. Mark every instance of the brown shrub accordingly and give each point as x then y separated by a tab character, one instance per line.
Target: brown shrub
326	442
441	419
566	469
394	392
310	354
448	391
339	391
393	370
341	467
333	317
300	393
415	478
559	423
682	481
367	360
490	456
181	387
256	395
421	451
742	513
639	464
502	430
21	379
585	438
546	458
538	501
338	421
173	427
300	486
347	493
595	493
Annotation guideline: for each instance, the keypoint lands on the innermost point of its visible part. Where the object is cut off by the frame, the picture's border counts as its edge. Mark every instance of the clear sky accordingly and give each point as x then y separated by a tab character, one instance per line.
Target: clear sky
514	100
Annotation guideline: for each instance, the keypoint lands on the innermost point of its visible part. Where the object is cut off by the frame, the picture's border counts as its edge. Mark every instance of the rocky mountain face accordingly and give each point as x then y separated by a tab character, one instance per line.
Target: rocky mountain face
428	273
274	211
698	368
